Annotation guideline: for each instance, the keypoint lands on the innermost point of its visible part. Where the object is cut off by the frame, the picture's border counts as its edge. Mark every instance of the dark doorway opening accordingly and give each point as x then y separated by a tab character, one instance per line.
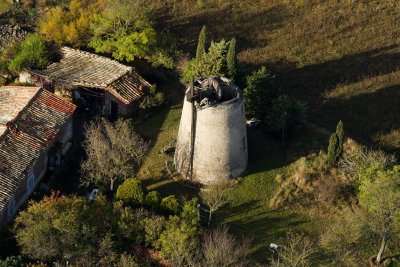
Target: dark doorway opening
114	111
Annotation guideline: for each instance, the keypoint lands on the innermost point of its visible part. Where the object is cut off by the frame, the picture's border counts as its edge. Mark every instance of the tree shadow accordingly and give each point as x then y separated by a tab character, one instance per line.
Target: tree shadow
369	115
225	22
262	227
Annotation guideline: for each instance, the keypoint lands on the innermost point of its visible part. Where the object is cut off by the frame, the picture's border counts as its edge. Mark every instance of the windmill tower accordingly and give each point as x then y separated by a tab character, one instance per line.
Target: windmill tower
212	141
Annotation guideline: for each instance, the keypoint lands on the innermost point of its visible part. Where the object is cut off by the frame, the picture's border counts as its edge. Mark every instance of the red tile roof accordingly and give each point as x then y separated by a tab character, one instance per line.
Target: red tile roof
32	131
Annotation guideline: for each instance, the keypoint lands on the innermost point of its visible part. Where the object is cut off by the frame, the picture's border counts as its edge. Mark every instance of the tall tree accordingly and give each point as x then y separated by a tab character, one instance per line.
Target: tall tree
340	135
380	197
231	59
201	44
114	151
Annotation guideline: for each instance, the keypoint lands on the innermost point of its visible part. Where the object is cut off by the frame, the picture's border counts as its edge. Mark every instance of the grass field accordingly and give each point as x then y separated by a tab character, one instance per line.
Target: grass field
5	6
248	213
340	57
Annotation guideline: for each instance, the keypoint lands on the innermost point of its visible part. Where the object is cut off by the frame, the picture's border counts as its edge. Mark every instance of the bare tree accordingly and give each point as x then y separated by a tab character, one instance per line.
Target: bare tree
296	252
224	250
215	196
114	151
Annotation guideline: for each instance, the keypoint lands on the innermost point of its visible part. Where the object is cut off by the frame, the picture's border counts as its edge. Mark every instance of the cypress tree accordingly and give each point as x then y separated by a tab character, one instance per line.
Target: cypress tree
201	44
333	150
340	135
231	58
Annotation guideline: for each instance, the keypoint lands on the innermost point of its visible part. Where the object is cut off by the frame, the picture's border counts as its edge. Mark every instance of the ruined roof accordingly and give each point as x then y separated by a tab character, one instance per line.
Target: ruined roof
80	68
32	131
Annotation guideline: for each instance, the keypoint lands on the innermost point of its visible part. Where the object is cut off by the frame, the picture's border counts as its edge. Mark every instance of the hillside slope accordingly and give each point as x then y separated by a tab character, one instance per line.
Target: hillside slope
341	57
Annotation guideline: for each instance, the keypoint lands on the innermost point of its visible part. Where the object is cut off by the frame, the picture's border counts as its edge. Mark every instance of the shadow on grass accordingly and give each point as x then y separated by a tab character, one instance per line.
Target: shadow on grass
223	22
368	116
261	225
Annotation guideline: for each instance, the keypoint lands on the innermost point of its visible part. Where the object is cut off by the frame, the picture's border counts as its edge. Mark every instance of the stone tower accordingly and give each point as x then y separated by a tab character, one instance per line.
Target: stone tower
212	141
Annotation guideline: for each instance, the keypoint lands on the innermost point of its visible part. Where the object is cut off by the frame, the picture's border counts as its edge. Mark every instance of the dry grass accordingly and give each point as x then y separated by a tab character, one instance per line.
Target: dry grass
341	57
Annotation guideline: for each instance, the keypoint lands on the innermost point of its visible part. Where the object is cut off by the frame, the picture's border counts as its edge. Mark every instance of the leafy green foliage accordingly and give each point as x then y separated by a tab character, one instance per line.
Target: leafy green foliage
181	235
131	225
31	53
69	26
212	62
380	197
285	112
131	192
231	59
170	204
64	228
265	101
201	44
333	150
152	99
152	200
13	261
259	93
154	226
335	147
340	135
123	29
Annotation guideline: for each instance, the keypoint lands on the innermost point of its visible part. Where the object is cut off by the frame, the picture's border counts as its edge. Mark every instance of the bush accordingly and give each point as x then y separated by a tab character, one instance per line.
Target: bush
152	200
13	261
178	241
170	204
71	25
335	148
152	99
32	53
154	226
131	225
212	62
131	192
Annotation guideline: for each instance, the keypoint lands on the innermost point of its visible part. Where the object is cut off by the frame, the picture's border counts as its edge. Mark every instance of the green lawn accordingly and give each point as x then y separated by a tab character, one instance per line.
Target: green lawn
248	213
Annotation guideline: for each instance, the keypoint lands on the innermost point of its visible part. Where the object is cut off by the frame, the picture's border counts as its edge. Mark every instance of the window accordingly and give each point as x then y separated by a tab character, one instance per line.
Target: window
31	181
11	209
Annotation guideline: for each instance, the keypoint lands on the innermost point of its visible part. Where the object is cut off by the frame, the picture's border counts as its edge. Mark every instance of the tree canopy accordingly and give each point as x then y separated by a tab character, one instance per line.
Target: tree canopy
114	152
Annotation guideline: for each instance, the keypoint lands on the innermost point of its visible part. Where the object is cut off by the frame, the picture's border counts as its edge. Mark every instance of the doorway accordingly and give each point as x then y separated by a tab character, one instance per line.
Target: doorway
114	110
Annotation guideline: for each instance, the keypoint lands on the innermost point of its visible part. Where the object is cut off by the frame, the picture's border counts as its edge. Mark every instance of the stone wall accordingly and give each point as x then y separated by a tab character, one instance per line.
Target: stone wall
11	33
220	145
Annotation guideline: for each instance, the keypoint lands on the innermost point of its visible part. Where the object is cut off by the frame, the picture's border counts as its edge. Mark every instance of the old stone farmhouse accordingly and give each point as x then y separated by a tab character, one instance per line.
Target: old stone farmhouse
96	83
35	130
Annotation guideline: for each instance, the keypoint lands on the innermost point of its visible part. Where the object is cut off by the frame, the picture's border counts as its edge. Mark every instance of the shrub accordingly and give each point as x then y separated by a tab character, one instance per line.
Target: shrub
152	99
152	200
154	226
31	53
131	191
178	241
170	204
212	62
70	25
131	225
333	150
12	261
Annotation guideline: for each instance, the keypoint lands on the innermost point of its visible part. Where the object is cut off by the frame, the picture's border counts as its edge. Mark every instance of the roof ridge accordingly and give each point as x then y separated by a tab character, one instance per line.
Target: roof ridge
68	49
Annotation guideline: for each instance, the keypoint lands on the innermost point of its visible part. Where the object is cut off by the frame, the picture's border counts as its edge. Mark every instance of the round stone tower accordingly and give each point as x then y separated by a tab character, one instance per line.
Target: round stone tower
212	141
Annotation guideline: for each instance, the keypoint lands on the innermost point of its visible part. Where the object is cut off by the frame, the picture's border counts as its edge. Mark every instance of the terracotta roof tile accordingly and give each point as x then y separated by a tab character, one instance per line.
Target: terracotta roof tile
28	134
